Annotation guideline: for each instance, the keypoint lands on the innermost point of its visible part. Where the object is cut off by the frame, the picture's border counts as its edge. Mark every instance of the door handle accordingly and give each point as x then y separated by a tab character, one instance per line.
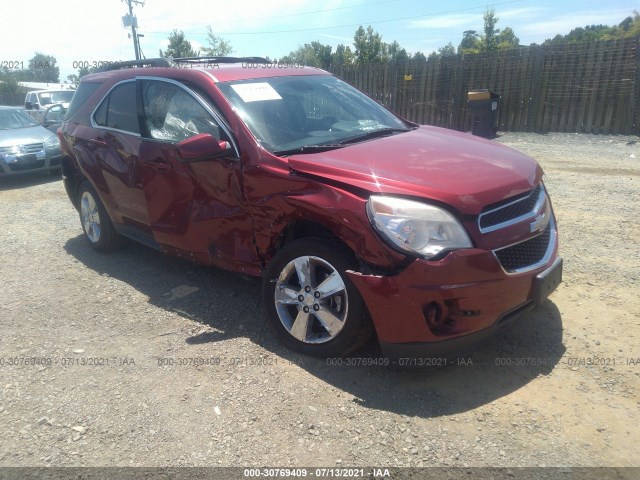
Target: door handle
98	142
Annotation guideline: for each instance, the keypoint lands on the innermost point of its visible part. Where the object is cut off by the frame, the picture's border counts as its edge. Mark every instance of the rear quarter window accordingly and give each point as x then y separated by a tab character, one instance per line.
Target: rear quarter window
84	91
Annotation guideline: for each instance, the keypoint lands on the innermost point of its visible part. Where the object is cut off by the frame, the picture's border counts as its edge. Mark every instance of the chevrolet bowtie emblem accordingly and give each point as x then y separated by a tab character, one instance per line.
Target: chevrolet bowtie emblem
540	223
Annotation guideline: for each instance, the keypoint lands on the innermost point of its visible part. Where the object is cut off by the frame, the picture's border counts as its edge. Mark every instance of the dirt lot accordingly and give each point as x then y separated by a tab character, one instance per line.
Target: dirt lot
559	388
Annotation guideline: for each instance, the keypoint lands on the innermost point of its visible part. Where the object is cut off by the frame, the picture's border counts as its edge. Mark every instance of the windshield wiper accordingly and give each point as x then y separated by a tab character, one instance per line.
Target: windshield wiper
309	149
374	134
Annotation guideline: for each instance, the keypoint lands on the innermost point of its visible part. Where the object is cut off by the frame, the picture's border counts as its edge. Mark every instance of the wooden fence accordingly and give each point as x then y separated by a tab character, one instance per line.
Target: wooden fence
588	87
12	99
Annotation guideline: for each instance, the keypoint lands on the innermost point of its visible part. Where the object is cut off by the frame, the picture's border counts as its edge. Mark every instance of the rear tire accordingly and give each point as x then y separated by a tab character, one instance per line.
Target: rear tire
96	224
310	302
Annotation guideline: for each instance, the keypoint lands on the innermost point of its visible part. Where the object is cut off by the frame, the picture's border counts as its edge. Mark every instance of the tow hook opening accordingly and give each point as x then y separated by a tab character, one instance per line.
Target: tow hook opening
433	315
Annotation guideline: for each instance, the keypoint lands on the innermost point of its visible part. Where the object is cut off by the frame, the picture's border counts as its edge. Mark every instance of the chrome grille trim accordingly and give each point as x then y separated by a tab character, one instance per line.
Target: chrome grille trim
542	195
31	148
553	240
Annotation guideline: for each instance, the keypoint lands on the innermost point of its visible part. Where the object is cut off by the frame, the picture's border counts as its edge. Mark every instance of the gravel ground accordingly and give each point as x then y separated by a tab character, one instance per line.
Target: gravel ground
115	331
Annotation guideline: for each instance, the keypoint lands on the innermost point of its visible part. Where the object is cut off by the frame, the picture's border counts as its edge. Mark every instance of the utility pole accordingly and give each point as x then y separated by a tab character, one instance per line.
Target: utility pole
133	22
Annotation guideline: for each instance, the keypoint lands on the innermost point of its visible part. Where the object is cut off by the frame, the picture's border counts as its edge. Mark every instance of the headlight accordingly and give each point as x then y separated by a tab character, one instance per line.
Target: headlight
52	142
416	227
12	150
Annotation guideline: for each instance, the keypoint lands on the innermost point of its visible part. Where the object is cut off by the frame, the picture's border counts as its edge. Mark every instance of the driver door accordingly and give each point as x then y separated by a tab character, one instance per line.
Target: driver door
194	207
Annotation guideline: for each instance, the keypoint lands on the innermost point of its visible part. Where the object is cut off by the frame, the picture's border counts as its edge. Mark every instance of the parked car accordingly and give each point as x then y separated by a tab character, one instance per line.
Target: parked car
53	117
36	103
25	145
356	219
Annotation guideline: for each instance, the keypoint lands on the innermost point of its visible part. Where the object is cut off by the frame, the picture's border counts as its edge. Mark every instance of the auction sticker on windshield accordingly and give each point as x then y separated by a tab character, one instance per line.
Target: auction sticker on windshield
255	92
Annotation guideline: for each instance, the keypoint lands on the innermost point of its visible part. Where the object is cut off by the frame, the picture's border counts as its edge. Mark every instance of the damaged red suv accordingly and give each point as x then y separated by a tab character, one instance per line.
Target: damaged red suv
356	220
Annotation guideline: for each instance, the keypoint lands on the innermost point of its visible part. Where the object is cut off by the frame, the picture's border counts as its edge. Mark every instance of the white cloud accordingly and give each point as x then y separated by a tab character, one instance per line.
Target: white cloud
341	39
447	21
524	13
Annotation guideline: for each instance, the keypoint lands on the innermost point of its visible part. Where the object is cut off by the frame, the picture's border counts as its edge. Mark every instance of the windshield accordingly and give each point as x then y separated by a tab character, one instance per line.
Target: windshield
10	119
285	113
62	96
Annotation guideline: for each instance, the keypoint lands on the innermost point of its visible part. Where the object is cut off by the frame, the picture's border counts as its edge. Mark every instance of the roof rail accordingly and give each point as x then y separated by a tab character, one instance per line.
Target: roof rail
148	62
221	60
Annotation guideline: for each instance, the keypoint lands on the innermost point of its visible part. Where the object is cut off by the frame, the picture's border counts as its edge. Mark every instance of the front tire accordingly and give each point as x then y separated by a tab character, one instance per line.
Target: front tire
310	302
96	224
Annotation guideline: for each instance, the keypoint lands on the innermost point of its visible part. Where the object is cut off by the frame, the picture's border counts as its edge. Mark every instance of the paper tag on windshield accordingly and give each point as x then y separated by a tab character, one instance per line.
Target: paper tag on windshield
255	92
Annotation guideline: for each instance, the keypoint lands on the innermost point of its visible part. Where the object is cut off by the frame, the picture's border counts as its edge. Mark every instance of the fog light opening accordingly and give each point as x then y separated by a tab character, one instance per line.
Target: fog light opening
433	315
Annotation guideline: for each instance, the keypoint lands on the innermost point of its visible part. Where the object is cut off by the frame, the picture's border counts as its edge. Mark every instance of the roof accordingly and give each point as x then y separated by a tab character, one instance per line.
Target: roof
222	72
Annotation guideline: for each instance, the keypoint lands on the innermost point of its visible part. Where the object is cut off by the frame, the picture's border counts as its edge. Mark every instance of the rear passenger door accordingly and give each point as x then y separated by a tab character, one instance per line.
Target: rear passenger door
116	147
193	206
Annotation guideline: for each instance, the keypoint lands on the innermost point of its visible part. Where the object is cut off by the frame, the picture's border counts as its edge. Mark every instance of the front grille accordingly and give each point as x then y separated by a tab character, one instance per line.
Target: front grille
510	209
31	148
526	254
22	166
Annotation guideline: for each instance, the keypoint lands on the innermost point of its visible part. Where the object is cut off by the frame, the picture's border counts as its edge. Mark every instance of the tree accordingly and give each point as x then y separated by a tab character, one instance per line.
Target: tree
42	68
342	56
448	50
395	53
178	46
488	42
8	83
314	54
507	39
470	42
492	39
629	27
82	71
419	56
368	45
218	46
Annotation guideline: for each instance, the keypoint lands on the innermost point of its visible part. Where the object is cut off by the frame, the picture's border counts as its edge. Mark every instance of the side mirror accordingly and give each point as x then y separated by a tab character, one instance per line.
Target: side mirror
28	105
202	147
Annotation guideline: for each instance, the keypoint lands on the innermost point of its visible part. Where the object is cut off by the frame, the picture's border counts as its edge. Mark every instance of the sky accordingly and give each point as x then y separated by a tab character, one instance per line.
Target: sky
80	32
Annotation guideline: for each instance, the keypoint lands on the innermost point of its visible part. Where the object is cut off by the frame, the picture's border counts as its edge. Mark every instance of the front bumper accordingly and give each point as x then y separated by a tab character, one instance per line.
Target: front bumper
446	308
44	160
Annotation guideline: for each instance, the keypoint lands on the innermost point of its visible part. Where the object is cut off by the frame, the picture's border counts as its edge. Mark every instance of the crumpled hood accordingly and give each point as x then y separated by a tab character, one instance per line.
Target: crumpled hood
461	170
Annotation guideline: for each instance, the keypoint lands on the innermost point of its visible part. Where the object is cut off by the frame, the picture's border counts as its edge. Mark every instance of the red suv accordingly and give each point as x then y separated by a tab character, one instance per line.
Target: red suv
356	219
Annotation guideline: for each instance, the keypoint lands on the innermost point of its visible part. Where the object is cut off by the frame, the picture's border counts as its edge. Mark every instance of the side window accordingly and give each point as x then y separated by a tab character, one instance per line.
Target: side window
172	114
121	112
100	117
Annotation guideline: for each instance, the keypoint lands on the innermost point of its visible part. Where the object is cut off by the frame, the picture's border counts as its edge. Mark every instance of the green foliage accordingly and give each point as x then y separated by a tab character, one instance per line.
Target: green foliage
342	56
493	38
629	27
8	83
368	45
470	42
447	51
179	46
218	46
419	56
42	68
507	39
488	42
394	52
314	54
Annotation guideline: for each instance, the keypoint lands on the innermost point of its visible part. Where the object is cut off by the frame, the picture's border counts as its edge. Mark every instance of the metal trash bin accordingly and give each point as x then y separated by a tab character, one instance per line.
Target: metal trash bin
483	105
